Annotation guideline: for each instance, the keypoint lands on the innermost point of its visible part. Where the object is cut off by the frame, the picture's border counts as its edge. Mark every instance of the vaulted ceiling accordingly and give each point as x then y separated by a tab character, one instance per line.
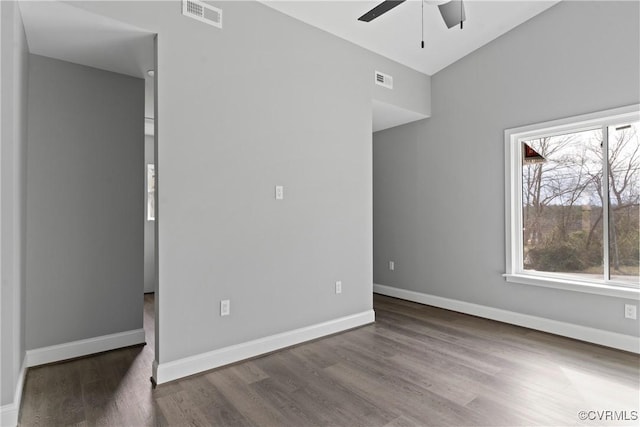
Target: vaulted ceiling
397	34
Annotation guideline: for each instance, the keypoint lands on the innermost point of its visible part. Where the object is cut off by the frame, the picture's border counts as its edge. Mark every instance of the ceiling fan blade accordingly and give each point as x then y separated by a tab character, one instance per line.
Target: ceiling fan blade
383	7
452	12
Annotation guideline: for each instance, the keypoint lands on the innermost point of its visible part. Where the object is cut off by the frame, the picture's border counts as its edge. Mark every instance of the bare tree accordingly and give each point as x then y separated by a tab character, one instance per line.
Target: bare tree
624	166
570	180
560	180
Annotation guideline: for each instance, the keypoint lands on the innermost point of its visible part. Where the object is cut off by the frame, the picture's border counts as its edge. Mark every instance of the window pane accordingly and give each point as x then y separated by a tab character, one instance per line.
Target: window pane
624	211
562	204
151	192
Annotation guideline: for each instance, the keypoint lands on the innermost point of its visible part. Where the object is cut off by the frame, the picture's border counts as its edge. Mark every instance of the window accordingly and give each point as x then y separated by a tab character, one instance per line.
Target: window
573	203
151	192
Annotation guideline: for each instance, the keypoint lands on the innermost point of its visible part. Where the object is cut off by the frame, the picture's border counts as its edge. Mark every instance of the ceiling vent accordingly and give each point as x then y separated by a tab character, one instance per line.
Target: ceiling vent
384	80
203	12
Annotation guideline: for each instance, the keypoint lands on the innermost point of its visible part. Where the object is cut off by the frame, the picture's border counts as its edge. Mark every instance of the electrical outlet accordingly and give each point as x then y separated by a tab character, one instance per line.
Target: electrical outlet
392	265
225	307
339	287
630	311
279	192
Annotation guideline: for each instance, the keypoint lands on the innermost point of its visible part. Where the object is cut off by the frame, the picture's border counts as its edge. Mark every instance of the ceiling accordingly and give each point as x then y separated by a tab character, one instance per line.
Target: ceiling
397	34
62	31
69	33
385	116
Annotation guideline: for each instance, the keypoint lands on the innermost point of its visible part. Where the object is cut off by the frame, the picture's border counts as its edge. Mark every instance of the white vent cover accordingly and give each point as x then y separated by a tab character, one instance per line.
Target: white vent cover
203	12
384	80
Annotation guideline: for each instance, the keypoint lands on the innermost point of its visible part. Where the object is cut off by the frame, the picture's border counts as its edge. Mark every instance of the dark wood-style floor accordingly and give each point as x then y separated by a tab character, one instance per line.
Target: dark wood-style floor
416	366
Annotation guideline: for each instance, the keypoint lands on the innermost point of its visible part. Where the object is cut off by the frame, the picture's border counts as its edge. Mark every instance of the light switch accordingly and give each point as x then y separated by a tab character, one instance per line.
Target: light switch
279	192
225	307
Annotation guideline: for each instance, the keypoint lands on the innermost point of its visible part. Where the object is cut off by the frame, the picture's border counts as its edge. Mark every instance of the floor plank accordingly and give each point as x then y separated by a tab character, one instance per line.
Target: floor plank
416	366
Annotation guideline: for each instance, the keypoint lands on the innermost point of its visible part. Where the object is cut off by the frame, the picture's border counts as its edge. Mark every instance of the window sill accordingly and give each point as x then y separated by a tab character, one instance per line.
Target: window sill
574	285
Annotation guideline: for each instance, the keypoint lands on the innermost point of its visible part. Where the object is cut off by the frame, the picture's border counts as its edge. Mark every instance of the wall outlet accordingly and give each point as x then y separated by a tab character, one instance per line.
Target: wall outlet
339	287
225	307
392	265
279	192
630	311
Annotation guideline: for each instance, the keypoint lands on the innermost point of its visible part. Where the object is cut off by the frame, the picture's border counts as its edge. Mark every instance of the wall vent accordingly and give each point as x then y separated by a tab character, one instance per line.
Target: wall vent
203	12
384	80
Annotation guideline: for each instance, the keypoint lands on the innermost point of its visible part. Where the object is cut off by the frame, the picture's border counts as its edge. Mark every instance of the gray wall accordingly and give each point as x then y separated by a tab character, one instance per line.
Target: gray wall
85	198
266	101
13	131
439	183
411	90
149	226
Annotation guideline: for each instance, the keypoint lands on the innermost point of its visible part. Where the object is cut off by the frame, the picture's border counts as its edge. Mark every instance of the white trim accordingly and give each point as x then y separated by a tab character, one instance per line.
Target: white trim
582	333
584	121
70	350
154	371
619	291
9	413
606	205
169	371
513	200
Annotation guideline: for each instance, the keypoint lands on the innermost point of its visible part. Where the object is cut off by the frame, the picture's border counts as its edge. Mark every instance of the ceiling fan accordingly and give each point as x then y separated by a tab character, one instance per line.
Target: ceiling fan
452	11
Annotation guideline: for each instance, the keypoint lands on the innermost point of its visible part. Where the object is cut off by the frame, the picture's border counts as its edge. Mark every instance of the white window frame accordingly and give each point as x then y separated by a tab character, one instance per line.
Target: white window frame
513	201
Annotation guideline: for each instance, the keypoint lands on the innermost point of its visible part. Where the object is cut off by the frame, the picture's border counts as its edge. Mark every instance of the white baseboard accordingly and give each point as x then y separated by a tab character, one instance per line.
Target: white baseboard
583	333
9	415
169	371
70	350
9	412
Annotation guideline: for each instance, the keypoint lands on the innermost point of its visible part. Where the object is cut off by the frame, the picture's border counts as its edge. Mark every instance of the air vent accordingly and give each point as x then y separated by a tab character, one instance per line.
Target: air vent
384	80
203	12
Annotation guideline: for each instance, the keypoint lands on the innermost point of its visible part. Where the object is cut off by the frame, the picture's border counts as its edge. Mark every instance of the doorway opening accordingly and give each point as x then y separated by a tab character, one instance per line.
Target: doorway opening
79	46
